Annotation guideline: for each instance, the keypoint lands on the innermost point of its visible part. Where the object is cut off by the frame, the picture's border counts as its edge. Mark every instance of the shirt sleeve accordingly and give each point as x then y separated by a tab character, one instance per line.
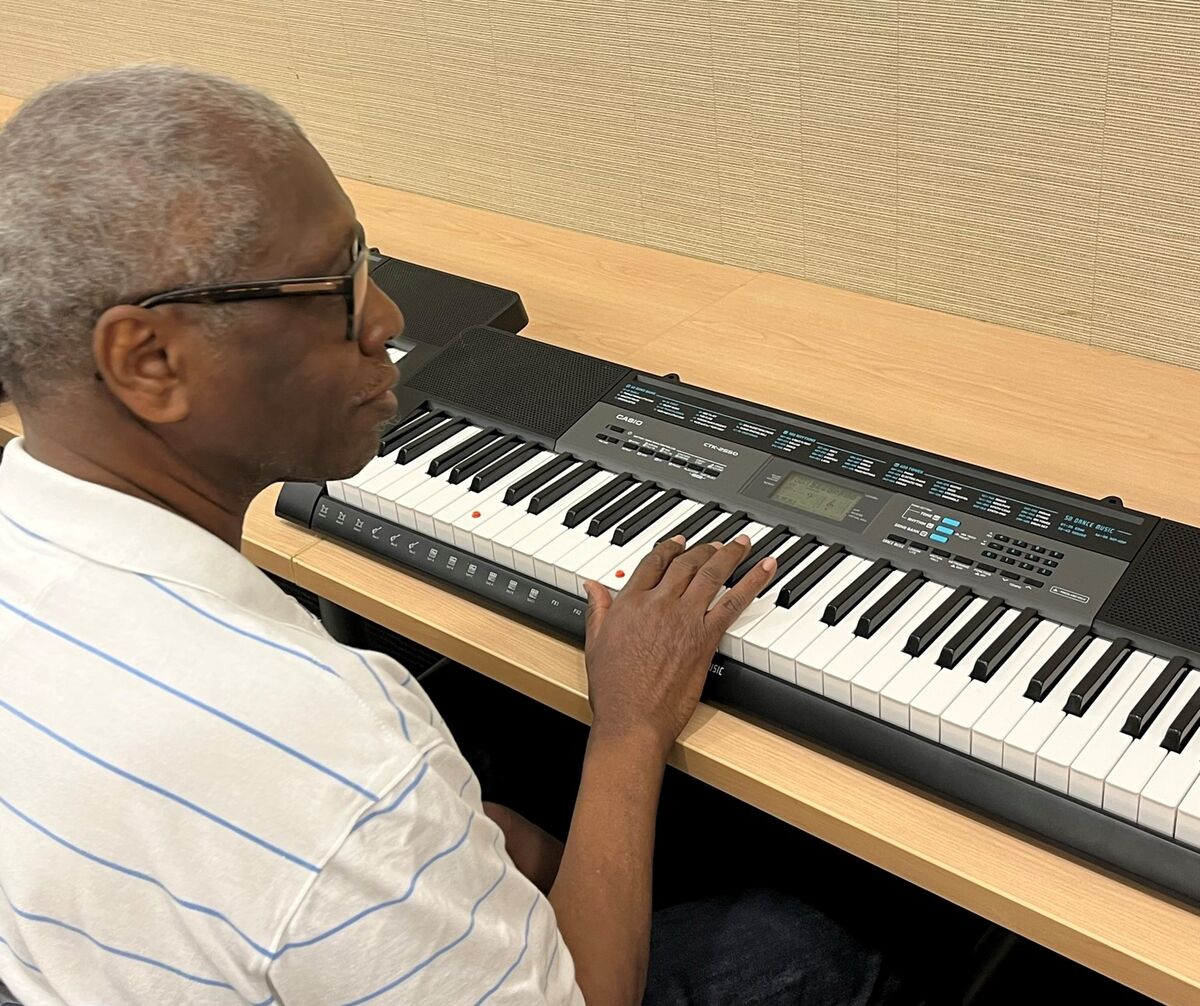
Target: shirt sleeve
421	904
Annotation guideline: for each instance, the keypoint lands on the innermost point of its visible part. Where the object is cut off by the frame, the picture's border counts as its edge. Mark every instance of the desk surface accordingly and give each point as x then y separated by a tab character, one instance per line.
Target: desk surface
1087	420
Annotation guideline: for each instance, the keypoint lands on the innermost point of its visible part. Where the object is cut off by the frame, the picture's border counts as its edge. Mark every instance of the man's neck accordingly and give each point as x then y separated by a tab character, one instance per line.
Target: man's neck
115	451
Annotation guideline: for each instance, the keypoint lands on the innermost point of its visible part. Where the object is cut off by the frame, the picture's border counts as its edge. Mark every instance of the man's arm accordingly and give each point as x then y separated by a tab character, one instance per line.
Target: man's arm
647	656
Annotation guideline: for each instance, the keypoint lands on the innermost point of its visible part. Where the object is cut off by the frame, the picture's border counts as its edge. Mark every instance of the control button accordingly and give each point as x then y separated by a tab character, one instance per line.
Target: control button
646	450
947	531
989	555
1006	560
678	461
1038	549
920	546
942	552
1013	551
963	560
1000	537
1008	575
663	454
983	567
615	429
897	539
695	466
939	537
1056	555
1051	563
1028	565
1045	572
1021	544
951	521
629	445
1032	583
1031	557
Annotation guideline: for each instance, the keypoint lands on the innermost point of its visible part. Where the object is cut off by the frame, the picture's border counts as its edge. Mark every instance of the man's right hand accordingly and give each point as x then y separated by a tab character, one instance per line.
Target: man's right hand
648	651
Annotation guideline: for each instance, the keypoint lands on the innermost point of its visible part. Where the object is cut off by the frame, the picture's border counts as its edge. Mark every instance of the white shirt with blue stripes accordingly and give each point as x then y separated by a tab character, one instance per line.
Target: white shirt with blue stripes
205	799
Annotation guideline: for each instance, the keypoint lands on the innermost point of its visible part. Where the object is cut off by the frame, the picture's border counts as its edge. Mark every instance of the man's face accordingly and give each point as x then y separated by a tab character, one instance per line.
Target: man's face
288	396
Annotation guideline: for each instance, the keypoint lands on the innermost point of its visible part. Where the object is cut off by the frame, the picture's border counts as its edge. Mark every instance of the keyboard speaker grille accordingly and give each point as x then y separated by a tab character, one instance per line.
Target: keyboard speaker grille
503	378
437	306
1159	594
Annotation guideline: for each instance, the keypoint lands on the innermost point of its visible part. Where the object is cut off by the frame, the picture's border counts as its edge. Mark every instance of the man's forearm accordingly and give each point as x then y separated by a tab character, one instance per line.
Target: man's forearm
603	890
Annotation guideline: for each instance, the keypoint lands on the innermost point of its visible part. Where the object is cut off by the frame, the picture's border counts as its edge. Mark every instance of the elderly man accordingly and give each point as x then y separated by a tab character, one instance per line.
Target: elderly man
203	797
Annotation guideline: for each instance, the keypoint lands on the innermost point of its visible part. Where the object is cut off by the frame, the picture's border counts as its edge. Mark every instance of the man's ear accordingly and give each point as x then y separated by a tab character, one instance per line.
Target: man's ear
141	355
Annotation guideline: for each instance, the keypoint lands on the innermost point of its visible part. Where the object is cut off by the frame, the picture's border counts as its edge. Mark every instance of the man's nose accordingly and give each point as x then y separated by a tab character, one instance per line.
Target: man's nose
382	321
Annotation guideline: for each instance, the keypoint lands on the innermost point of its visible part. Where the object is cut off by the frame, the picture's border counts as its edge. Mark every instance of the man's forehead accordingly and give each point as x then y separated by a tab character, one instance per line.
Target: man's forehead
310	220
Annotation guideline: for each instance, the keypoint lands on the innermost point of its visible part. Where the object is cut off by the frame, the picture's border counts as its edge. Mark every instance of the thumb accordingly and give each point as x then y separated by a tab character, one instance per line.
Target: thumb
599	601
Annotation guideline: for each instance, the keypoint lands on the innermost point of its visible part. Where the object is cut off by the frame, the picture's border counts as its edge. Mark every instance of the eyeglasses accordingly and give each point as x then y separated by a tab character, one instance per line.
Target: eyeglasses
352	286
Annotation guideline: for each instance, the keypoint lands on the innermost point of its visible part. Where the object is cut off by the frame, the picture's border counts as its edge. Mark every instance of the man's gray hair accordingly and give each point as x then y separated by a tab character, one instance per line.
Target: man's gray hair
117	185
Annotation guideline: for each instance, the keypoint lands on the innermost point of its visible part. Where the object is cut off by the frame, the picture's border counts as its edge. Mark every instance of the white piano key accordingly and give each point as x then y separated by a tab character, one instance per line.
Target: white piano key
1162	795
544	527
836	678
1071	736
619	561
975	700
572	550
781	657
1106	746
1187	820
832	639
1035	727
925	711
427	509
761	608
367	483
445	520
392	490
1124	784
757	639
989	731
897	695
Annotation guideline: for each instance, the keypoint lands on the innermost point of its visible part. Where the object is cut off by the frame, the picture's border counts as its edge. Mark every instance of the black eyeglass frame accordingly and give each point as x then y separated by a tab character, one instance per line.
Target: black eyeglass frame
351	285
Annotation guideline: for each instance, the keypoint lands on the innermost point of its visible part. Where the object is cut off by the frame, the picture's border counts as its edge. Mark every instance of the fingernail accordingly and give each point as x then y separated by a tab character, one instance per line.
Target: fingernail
718	544
742	539
680	538
769	564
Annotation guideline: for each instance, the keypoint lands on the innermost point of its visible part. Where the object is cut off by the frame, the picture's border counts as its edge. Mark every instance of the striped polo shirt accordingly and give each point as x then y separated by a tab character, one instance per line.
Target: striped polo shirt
205	799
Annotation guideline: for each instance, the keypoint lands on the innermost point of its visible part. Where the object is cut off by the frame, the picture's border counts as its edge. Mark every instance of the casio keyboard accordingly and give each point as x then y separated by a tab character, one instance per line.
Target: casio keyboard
1021	650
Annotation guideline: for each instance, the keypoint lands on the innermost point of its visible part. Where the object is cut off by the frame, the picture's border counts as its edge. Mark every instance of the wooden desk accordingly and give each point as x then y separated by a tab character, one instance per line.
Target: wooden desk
1083	419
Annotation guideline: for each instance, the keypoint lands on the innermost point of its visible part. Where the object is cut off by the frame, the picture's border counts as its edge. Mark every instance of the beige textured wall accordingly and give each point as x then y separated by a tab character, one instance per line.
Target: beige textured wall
1031	162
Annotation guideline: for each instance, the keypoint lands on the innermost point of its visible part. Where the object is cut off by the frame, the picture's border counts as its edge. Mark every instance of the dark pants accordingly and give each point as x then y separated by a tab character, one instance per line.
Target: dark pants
761	948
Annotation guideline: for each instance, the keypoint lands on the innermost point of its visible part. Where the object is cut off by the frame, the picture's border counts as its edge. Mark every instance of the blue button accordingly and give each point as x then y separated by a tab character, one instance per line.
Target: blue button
937	537
951	521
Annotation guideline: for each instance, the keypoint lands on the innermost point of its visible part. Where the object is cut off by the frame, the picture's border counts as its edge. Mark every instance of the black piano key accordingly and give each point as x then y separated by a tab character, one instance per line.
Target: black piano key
810	575
933	626
1051	672
632	526
400	431
694	523
852	596
729	528
955	649
1181	731
411	430
506	465
1085	691
481	459
889	604
759	551
552	469
790	558
1157	696
428	441
614	512
450	458
587	506
1003	645
547	497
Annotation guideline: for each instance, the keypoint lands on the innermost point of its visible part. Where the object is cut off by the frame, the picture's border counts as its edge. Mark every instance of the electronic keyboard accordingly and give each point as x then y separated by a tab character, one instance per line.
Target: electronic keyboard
1022	650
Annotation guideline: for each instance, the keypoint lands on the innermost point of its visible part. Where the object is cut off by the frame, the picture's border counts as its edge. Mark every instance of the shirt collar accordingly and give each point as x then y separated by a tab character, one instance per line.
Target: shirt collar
121	531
